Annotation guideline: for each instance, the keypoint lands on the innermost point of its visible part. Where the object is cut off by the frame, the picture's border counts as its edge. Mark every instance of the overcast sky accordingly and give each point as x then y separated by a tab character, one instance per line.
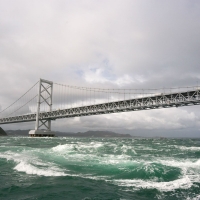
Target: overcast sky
111	43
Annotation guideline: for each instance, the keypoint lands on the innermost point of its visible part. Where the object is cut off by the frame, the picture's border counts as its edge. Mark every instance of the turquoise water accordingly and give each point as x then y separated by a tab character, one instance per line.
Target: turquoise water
99	168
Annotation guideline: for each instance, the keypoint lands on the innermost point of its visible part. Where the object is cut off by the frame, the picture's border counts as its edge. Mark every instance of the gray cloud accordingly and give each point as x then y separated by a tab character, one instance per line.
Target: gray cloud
106	44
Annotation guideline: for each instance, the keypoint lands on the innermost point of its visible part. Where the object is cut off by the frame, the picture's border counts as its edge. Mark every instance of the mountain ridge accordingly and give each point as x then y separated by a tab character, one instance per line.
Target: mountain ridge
72	134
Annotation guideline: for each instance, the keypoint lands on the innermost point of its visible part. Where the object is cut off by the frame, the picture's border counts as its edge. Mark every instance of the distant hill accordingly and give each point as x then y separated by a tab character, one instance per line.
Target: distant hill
71	134
95	134
2	132
17	132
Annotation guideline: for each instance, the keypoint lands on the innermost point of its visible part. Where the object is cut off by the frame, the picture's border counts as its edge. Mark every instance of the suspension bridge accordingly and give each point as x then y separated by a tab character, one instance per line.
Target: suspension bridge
46	101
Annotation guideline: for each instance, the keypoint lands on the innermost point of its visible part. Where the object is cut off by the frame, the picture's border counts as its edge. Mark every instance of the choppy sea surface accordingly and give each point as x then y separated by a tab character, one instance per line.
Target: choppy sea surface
99	168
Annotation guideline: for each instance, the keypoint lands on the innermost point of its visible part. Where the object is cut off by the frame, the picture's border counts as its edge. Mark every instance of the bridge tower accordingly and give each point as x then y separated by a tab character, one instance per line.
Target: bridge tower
43	126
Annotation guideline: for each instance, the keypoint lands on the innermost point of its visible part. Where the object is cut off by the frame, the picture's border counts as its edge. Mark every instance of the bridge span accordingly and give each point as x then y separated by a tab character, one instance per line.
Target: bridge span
153	101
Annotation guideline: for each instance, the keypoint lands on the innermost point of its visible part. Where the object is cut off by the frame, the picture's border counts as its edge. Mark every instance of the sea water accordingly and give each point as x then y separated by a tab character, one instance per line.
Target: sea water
99	168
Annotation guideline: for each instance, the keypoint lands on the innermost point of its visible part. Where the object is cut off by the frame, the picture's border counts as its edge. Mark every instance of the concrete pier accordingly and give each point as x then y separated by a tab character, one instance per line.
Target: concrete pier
41	133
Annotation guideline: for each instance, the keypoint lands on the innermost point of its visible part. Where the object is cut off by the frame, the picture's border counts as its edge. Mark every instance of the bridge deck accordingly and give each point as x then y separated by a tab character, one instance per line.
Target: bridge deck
144	103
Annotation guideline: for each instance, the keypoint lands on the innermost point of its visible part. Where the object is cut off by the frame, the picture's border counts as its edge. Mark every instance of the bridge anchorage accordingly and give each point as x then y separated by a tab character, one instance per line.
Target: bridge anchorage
45	95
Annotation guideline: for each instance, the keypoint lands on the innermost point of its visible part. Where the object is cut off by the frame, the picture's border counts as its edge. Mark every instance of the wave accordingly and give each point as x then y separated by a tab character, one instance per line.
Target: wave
30	165
30	169
95	147
185	148
181	163
183	183
121	163
79	146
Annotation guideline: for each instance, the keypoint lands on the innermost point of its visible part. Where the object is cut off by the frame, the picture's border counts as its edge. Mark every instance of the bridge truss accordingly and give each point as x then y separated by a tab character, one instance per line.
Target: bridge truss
163	100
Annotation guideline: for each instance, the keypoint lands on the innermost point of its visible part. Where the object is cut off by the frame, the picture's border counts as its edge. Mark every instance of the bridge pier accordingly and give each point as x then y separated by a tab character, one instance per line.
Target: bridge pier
41	133
45	94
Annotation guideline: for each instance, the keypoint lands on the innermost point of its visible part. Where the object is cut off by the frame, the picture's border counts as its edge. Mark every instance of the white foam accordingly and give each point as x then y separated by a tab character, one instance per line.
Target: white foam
96	144
77	147
60	147
30	169
80	154
92	147
184	148
126	148
190	174
183	183
190	148
31	165
118	160
181	163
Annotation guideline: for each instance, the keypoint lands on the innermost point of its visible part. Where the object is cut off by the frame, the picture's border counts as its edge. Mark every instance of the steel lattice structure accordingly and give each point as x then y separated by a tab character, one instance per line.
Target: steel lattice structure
187	98
44	87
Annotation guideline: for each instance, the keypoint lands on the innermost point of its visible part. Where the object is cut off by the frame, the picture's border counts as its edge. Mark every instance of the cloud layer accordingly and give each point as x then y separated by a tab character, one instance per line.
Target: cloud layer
106	44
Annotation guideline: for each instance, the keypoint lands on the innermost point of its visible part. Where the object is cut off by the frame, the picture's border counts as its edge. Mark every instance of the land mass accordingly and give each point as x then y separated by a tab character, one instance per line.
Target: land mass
2	132
96	134
71	134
